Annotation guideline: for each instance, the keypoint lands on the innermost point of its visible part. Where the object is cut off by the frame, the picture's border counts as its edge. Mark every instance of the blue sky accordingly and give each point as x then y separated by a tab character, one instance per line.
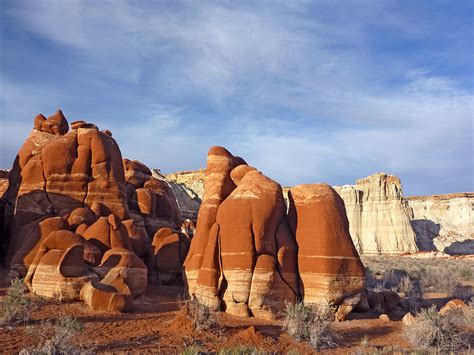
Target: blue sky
306	91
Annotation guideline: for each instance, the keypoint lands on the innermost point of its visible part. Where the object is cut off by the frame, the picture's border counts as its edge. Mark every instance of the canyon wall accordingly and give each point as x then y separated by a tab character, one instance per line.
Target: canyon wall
444	222
188	197
192	179
379	216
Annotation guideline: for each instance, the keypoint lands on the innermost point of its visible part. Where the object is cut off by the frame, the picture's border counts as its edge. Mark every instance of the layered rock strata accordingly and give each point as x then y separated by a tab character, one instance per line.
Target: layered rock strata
379	216
244	256
329	265
78	220
444	222
188	198
193	180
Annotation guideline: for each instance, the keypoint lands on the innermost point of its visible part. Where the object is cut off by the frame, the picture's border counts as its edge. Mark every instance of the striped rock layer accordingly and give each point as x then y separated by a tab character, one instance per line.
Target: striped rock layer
78	220
249	256
329	265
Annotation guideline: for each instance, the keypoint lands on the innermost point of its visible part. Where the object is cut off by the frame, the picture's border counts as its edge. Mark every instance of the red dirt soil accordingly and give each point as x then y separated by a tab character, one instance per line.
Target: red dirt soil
156	324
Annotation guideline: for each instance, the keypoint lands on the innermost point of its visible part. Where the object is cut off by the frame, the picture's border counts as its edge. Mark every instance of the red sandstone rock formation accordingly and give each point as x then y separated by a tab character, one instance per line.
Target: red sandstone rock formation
83	223
329	265
248	256
218	185
68	218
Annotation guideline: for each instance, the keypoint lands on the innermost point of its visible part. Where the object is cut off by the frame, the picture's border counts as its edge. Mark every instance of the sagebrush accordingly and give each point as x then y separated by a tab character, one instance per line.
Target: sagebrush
201	316
307	323
16	305
432	331
56	337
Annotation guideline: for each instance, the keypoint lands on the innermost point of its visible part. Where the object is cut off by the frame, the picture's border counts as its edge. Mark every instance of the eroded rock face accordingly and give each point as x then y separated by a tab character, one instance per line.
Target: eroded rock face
444	222
248	220
379	217
329	265
244	256
193	180
74	210
218	185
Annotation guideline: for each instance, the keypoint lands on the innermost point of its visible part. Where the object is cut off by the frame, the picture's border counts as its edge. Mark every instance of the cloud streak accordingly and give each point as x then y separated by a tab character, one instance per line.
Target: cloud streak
305	91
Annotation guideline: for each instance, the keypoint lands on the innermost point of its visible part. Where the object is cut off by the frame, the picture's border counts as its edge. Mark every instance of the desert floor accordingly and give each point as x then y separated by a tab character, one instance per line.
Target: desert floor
156	324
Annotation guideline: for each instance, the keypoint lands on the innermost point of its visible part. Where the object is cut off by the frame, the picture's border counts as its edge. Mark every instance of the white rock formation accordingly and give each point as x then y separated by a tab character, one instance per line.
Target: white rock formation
194	180
379	217
444	222
187	199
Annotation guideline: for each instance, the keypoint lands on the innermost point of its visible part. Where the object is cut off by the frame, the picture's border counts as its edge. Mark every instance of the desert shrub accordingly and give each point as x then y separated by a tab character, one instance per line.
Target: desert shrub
193	350
63	330
16	305
426	275
430	330
306	323
241	350
201	317
399	281
438	279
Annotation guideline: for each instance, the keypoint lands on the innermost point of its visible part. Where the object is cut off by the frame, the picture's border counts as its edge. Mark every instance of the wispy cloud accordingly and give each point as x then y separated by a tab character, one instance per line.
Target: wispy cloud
306	91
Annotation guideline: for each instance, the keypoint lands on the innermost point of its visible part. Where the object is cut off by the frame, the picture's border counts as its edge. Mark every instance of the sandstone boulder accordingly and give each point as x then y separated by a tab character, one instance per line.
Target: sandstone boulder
249	257
170	250
453	304
248	220
120	263
408	319
329	266
58	269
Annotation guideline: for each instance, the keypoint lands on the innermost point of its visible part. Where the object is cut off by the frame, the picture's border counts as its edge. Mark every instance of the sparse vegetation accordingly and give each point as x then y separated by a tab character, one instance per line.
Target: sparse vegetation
429	330
306	323
241	350
193	350
63	331
413	277
16	305
202	318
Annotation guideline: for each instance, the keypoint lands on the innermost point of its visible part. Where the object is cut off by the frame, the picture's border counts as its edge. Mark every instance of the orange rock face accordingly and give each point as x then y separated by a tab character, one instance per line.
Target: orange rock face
218	185
249	256
74	209
329	266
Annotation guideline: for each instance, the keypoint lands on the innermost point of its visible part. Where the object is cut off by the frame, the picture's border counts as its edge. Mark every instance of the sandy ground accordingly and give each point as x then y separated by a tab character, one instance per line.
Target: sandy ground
155	324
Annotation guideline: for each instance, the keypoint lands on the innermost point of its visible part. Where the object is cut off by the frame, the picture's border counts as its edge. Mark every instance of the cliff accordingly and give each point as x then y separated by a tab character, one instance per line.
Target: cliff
379	216
444	222
188	188
192	179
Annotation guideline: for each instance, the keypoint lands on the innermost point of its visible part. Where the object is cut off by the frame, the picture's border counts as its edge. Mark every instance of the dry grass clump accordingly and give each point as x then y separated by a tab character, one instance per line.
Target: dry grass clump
63	331
413	276
241	350
306	323
201	317
432	331
16	305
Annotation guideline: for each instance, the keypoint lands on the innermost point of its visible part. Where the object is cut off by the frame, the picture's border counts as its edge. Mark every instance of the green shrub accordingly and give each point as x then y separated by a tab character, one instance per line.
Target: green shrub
16	306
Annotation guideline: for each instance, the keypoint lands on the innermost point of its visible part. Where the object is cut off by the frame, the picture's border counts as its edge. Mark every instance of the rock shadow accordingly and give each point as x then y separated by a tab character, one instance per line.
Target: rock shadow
426	230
